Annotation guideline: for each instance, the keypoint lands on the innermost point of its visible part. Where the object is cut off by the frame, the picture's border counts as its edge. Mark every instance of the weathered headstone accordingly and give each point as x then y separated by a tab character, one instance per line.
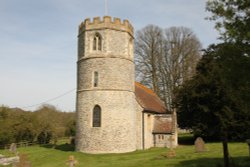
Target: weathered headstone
13	148
199	145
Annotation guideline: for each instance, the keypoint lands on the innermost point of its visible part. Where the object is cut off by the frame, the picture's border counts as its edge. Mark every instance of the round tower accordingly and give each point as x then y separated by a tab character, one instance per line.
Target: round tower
105	87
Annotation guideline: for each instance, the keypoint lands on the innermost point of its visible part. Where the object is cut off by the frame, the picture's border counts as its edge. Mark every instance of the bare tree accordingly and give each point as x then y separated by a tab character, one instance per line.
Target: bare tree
181	54
165	58
148	51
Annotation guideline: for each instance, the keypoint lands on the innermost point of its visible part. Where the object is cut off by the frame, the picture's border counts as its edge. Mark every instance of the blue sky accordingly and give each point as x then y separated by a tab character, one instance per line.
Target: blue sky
38	42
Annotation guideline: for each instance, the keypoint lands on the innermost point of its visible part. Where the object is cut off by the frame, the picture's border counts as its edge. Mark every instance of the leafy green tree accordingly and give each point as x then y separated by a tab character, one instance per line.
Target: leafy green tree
233	21
215	103
71	128
6	133
43	125
45	136
232	18
23	126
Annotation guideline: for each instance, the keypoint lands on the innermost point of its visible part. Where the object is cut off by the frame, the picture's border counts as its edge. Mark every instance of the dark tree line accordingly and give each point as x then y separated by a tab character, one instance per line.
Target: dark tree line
43	125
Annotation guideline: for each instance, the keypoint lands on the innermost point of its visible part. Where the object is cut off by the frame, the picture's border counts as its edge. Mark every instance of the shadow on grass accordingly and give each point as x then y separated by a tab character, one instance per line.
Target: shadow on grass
61	147
215	162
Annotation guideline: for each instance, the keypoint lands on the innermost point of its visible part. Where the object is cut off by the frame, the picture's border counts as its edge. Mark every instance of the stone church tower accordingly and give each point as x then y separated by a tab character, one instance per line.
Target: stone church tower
105	87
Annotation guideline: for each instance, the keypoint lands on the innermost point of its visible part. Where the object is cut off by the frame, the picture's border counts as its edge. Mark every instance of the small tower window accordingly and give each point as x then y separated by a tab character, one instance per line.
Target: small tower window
95	79
97	42
97	116
130	47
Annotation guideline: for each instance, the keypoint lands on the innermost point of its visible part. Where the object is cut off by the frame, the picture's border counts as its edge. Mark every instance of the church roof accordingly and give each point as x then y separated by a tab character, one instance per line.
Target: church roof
148	100
163	124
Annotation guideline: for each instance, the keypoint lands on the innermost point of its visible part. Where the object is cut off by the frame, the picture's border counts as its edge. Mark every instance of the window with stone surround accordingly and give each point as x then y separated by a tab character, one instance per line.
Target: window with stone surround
96	79
97	116
97	42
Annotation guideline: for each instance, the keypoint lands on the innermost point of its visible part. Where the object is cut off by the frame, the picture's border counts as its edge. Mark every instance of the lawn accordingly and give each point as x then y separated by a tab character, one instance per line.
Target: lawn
46	156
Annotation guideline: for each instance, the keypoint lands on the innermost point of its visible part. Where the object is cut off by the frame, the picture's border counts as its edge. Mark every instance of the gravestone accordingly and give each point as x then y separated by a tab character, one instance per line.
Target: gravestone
13	148
199	145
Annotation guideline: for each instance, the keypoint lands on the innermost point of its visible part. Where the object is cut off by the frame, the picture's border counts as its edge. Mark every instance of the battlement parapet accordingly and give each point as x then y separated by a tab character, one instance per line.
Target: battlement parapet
106	22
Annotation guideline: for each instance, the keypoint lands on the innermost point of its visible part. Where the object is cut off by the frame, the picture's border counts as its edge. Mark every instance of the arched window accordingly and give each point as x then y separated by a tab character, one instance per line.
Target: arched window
97	42
95	79
97	116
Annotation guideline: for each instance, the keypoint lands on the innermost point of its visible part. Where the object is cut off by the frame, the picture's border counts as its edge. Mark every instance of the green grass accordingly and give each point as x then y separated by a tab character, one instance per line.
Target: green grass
7	153
46	156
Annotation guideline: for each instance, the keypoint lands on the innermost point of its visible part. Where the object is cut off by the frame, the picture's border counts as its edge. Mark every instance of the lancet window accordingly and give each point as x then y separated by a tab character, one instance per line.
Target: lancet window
97	42
97	116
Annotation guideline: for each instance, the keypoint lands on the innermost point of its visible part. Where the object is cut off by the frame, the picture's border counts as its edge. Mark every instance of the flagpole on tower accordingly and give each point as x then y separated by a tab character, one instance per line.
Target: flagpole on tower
106	7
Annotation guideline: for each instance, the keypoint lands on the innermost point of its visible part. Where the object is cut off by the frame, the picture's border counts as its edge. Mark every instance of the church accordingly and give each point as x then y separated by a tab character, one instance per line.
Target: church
115	114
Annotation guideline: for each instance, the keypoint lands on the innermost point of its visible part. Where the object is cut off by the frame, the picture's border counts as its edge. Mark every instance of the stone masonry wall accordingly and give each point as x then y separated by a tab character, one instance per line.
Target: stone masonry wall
148	128
115	90
117	131
113	74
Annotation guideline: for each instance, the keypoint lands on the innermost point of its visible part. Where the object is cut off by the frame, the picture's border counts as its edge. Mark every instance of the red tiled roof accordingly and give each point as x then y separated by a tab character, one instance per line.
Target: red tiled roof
163	124
148	100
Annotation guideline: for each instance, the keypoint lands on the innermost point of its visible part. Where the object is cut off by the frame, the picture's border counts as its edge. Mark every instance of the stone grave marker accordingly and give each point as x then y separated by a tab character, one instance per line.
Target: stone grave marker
13	148
199	145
